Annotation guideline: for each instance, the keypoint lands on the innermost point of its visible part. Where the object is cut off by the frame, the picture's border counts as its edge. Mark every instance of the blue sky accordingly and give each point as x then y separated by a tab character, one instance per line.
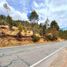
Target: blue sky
53	9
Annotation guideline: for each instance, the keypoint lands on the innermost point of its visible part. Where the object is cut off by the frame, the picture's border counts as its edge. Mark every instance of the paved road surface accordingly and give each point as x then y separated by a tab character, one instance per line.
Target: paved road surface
58	59
25	56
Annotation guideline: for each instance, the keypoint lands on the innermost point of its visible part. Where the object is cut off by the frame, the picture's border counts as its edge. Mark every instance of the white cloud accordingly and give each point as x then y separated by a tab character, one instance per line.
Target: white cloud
19	16
2	1
16	15
35	4
53	9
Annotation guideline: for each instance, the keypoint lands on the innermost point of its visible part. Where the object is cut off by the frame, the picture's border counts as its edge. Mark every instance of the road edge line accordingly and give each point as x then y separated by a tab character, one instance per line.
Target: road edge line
33	65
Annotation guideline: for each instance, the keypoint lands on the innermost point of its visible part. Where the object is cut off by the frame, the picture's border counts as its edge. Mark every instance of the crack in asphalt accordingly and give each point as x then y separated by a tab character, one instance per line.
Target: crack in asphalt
24	61
11	62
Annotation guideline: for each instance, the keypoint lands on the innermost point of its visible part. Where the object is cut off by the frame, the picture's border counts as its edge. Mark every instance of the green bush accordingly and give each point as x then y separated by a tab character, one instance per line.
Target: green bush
35	38
63	34
51	37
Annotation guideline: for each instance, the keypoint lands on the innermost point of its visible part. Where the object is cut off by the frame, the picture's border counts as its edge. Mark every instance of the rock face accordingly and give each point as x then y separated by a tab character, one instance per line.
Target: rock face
9	37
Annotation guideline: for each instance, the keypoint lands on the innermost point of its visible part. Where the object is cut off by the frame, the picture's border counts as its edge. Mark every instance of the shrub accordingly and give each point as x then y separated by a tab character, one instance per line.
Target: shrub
35	38
63	34
51	37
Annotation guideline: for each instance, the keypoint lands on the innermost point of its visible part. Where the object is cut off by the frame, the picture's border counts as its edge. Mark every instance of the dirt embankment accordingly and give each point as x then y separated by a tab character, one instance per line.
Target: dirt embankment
12	41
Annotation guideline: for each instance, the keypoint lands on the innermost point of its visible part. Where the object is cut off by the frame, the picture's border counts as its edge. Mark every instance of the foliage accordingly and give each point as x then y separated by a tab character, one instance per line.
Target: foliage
35	38
3	20
51	37
36	28
9	21
19	35
41	29
54	25
20	26
46	23
33	16
63	34
44	27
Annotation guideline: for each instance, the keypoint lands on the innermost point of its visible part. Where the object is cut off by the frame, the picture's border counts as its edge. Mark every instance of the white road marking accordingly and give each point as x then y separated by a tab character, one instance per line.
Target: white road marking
46	57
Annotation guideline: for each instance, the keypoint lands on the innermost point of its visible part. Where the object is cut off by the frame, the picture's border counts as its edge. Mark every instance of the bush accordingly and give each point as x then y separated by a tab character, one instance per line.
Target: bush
35	38
51	37
63	34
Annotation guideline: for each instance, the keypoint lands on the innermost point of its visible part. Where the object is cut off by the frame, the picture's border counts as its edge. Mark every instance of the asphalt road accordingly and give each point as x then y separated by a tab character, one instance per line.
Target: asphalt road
58	59
26	56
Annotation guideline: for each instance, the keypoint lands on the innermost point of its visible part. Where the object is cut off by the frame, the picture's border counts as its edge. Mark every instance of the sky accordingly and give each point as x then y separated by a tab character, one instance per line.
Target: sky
51	9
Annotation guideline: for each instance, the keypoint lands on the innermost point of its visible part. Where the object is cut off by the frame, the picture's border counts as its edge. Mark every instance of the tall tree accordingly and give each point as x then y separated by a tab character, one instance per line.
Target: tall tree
33	17
45	27
2	20
46	23
2	17
54	29
10	21
54	24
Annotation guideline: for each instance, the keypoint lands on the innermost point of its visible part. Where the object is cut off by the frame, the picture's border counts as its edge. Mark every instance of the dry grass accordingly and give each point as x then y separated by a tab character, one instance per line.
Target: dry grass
10	41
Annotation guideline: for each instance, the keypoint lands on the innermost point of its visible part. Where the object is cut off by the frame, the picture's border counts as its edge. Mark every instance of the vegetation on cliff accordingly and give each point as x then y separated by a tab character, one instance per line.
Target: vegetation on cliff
49	31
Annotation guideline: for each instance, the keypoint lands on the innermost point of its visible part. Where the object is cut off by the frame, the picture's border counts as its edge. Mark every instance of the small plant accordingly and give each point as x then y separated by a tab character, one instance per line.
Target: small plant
35	38
51	37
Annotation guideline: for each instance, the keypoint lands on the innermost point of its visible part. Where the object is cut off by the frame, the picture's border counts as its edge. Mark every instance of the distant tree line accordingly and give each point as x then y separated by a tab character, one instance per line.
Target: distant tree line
43	28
